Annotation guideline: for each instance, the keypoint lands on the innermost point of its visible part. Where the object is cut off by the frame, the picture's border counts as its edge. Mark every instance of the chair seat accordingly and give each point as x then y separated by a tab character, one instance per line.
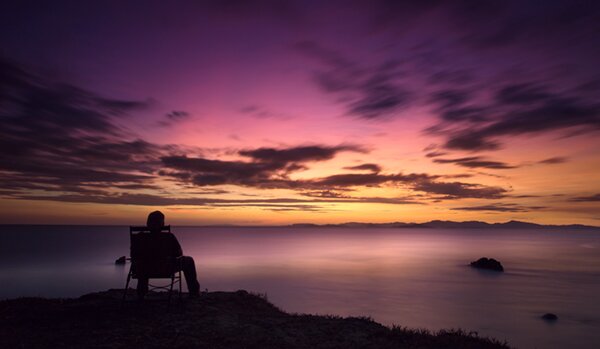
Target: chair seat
153	269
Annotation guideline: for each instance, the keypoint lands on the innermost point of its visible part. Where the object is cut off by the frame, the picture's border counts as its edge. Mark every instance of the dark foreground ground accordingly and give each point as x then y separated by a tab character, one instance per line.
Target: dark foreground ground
214	320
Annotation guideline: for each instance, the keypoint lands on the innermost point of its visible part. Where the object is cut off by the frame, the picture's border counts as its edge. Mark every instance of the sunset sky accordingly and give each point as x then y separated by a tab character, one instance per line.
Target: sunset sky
277	112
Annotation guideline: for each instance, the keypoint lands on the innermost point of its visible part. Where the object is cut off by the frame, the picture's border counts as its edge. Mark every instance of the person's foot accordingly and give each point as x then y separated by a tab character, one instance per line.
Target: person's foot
194	290
194	294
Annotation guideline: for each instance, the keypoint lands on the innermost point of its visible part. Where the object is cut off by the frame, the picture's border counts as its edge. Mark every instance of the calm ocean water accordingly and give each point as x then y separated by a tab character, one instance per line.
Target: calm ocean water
409	277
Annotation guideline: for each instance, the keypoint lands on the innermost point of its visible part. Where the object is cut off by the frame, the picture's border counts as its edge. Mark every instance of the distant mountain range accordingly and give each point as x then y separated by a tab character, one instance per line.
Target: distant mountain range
450	225
436	224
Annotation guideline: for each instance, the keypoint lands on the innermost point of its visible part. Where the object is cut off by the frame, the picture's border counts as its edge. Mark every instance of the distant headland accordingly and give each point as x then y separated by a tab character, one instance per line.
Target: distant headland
438	224
435	224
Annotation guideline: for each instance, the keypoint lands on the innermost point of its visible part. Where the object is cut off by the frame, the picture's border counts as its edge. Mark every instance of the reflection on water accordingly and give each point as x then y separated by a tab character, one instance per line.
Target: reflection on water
410	277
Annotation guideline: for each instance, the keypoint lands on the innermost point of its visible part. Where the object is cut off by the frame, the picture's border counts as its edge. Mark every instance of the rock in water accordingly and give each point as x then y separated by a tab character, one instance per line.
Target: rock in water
121	260
550	317
487	263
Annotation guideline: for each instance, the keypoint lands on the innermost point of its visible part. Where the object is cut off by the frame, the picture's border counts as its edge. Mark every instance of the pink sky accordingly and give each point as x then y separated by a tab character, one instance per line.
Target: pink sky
255	114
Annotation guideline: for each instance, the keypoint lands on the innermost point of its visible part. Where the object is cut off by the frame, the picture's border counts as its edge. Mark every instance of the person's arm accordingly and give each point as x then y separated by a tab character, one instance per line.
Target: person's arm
176	247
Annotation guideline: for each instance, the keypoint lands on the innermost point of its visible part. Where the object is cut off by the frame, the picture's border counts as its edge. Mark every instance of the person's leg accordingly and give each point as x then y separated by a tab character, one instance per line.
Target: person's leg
189	270
142	287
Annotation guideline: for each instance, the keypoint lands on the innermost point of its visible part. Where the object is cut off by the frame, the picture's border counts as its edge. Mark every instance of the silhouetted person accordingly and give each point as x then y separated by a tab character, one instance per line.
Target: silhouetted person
160	246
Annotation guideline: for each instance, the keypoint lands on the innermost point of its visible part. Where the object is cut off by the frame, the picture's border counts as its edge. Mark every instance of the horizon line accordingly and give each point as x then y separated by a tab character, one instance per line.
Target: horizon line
324	225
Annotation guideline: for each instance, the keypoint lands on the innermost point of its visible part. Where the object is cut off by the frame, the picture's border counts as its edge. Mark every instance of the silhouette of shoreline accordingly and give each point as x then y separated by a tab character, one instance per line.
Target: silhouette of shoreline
214	320
435	224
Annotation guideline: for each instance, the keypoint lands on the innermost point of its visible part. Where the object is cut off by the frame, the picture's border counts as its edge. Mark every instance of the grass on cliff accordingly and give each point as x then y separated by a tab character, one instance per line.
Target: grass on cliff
214	320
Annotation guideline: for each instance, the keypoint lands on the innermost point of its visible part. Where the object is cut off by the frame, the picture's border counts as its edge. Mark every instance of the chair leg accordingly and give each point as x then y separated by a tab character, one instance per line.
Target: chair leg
171	287
180	282
126	286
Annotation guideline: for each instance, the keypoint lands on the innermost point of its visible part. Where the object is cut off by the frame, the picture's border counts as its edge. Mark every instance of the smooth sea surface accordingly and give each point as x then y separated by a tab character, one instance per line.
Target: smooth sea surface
408	277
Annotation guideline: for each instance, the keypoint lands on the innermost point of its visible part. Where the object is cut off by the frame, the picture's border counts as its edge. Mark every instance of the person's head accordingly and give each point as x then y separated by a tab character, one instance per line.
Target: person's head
156	221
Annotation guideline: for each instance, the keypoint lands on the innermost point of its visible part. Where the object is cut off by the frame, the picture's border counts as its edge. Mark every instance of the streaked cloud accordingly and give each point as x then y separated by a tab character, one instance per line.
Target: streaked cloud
589	198
501	207
476	162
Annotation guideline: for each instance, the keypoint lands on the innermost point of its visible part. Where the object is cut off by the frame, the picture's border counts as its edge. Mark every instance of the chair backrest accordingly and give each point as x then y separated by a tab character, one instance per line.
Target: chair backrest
150	257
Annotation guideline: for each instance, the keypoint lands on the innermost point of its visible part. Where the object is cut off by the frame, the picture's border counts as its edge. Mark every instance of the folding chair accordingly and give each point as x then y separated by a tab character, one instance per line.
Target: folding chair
150	260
